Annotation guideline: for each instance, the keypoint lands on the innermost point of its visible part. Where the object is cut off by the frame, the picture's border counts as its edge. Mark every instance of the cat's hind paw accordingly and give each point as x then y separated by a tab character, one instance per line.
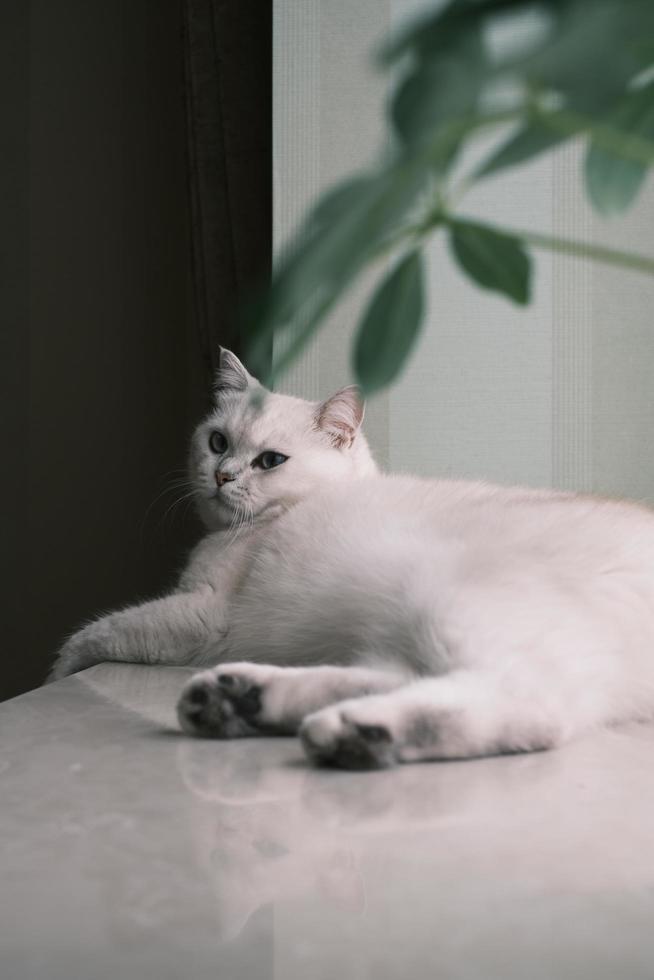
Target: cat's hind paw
348	736
220	703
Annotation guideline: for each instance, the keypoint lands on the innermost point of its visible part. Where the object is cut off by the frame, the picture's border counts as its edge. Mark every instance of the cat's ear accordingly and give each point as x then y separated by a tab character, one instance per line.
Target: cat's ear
340	417
231	375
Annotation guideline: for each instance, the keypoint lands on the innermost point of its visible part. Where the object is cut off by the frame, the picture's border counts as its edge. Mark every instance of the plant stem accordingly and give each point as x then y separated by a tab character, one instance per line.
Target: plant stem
585	250
580	250
629	146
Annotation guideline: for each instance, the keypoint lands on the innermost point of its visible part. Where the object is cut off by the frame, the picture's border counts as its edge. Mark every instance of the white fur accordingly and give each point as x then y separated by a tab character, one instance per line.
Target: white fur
495	618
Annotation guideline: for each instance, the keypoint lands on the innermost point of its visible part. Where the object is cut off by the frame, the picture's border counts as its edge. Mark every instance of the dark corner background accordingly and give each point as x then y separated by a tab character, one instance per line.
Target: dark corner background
136	206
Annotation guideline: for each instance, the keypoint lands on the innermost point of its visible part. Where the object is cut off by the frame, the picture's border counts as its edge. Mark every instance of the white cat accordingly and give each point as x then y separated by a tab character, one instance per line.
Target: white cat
388	618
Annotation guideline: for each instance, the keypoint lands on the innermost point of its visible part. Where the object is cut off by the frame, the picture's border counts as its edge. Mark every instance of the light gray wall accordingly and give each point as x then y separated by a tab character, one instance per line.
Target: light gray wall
559	393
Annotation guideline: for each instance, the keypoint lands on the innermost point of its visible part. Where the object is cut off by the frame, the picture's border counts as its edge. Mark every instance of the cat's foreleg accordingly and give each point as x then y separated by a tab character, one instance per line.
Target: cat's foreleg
457	716
183	628
239	699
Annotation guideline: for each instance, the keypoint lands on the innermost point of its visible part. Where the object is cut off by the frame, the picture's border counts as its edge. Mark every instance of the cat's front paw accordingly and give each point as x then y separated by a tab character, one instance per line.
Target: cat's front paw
224	702
80	652
349	735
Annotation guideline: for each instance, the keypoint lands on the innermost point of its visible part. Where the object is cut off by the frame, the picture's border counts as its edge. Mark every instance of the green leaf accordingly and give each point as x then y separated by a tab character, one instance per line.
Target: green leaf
592	53
390	326
588	250
613	180
442	31
533	138
586	52
339	199
436	92
493	259
336	242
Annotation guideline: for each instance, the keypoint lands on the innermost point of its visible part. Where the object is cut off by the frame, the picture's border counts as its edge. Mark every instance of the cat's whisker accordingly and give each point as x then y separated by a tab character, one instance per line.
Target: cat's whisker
169	510
242	516
235	523
177	471
171	486
231	525
187	507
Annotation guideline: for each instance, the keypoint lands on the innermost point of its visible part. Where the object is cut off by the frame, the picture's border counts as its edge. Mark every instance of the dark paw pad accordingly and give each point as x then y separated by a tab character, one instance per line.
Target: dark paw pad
373	733
222	707
352	747
244	696
365	747
198	696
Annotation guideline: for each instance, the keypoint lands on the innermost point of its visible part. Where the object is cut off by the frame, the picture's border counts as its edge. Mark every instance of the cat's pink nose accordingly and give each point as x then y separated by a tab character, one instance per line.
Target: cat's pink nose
223	478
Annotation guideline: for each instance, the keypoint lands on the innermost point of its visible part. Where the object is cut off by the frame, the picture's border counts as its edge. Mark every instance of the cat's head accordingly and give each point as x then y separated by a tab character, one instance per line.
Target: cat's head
254	457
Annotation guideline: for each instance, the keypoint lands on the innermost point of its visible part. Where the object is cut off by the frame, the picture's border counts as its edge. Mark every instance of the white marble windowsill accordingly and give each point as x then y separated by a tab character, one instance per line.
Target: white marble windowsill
130	851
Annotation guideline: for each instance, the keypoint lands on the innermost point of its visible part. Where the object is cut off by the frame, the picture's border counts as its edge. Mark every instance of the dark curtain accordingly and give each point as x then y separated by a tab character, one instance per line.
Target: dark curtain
105	376
228	58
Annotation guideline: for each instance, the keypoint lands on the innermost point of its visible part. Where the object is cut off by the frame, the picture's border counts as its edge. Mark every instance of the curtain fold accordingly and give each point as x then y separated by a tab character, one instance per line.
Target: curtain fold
228	74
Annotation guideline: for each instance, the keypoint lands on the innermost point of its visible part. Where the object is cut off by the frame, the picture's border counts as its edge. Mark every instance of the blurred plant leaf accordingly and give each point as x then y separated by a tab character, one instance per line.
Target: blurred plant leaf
350	226
618	35
390	326
612	179
439	91
531	139
338	200
492	258
441	32
427	99
593	51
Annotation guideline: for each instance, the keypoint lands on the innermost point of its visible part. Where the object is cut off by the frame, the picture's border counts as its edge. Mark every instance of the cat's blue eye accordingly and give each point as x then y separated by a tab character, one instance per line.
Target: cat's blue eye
217	443
269	459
